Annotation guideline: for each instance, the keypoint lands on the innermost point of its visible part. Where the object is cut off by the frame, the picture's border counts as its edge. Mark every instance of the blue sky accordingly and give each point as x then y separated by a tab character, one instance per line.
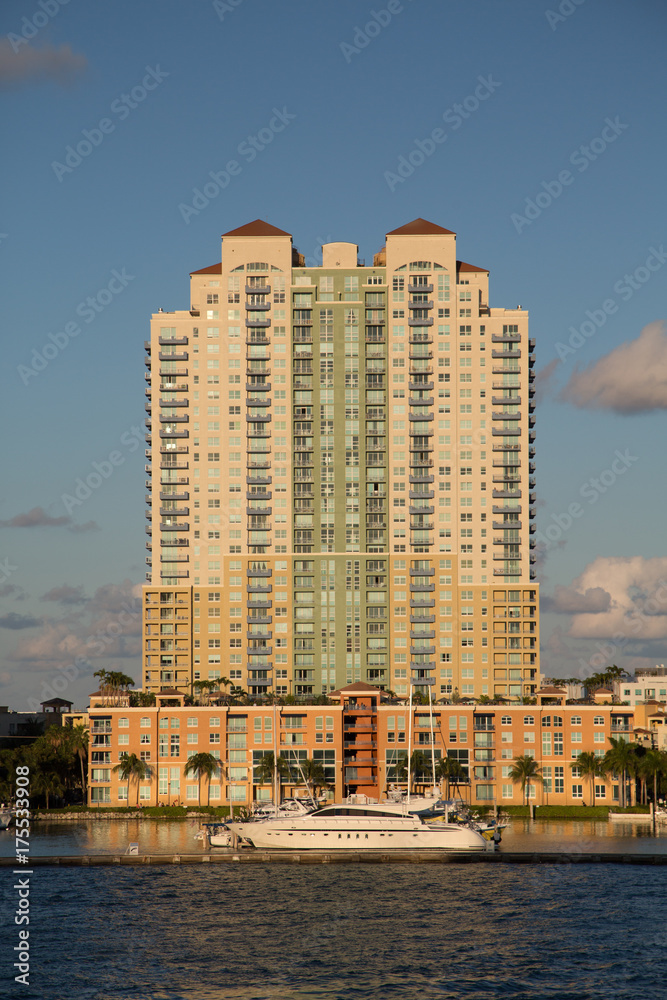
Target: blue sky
554	181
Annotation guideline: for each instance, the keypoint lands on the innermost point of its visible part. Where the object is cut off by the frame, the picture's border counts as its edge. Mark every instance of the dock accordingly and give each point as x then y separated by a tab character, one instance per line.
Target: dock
251	857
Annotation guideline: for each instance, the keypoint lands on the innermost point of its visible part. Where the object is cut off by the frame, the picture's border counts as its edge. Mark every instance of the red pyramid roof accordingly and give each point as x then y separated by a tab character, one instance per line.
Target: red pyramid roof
212	269
462	266
257	228
420	227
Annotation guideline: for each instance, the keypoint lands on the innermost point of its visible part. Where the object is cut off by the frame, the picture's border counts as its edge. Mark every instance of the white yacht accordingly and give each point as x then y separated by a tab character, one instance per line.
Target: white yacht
354	827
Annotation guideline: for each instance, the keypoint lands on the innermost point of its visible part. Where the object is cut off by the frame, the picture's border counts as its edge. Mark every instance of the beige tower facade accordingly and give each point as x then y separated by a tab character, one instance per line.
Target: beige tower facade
339	464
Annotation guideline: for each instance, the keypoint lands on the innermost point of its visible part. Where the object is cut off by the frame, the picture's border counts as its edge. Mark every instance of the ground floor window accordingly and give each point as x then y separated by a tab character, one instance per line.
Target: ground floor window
100	795
577	791
508	791
191	792
600	792
484	793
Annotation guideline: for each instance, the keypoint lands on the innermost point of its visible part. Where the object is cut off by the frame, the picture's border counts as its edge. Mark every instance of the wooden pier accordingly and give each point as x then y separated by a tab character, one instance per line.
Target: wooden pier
253	857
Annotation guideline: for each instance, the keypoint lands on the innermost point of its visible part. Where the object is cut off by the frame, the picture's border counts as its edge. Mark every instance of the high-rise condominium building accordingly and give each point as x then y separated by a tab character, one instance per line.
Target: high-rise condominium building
340	462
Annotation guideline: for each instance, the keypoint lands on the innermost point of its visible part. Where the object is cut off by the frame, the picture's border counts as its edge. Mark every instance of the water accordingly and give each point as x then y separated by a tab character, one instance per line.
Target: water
177	837
357	932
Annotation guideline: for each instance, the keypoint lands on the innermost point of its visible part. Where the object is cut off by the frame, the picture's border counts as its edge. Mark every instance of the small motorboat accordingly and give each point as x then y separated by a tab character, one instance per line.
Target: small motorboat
214	835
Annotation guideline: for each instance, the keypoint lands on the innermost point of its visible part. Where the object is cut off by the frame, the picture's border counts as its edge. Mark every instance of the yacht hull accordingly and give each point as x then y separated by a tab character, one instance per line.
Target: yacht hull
358	834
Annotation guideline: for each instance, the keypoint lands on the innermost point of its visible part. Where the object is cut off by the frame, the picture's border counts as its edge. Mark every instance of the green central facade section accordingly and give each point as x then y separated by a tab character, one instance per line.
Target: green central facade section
340	462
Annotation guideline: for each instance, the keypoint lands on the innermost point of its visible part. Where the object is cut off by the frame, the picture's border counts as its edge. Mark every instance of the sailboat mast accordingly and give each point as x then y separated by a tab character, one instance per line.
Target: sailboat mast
409	740
430	714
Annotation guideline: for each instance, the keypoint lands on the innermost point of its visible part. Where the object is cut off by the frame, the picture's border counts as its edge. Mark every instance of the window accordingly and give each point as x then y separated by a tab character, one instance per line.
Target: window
577	791
598	720
600	792
528	720
506	720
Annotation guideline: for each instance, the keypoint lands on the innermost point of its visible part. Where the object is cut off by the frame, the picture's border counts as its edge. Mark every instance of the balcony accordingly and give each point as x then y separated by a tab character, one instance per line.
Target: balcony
507	494
427	603
173	434
506	371
422	650
174	496
505	338
356	708
258	605
255	324
258	289
183	356
420	289
425	321
508	353
178	419
257	387
259	620
415	304
420	386
173	340
506	431
176	526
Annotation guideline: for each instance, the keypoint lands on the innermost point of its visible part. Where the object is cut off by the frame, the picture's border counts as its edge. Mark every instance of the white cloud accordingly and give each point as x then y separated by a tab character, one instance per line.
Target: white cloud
107	626
637	606
46	63
630	379
569	600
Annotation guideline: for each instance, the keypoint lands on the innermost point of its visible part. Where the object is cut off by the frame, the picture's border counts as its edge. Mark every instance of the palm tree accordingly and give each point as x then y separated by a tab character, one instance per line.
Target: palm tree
48	782
313	774
451	770
203	689
203	764
79	746
621	759
591	767
131	769
419	764
524	770
652	764
269	768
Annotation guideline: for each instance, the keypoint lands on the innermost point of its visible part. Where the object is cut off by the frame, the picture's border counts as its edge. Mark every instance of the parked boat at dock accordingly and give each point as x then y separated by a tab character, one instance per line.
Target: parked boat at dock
349	826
